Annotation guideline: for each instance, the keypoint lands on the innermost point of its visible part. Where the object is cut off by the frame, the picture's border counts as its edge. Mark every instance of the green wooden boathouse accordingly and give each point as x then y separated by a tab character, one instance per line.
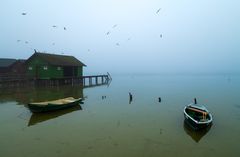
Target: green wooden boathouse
53	66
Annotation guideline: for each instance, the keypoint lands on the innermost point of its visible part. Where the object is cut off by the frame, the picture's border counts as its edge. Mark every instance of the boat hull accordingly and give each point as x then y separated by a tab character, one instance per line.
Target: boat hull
52	107
194	125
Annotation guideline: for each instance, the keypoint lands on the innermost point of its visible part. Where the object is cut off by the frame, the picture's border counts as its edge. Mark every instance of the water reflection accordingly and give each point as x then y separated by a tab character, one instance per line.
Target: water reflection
237	106
41	117
196	135
31	94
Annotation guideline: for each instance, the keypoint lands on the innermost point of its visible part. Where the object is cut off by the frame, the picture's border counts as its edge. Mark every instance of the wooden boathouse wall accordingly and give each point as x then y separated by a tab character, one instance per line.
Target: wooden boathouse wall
52	66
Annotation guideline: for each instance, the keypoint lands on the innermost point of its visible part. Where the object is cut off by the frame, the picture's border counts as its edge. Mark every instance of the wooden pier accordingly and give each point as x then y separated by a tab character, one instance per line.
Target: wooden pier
84	81
95	80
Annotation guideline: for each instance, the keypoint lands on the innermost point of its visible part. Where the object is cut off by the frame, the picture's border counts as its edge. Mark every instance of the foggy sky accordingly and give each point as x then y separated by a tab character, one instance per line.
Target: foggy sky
124	36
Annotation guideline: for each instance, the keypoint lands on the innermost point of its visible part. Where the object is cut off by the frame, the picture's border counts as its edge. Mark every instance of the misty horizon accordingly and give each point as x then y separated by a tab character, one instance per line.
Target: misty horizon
122	37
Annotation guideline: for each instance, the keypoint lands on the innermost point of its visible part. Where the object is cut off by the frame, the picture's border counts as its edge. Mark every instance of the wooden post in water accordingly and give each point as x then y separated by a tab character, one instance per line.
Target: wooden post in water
83	81
195	101
159	99
102	79
90	81
96	79
130	97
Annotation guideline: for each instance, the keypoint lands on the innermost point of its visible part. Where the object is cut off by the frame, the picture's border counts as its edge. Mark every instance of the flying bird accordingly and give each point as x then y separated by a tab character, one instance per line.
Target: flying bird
53	43
64	28
26	42
108	33
54	26
114	26
18	40
160	35
158	10
117	44
24	13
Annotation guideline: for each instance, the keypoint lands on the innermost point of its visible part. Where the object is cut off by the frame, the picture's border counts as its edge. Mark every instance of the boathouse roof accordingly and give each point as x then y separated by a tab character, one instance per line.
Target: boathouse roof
6	62
58	60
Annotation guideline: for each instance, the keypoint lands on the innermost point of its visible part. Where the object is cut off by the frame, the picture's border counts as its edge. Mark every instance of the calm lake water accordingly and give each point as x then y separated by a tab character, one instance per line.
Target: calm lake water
113	127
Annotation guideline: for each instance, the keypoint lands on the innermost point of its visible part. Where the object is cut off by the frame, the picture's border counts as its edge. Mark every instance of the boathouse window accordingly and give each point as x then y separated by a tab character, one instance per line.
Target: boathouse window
29	68
45	67
58	68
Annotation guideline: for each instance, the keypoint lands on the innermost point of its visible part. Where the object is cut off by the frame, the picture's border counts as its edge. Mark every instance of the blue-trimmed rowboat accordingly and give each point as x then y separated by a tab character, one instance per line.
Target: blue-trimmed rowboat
197	116
53	105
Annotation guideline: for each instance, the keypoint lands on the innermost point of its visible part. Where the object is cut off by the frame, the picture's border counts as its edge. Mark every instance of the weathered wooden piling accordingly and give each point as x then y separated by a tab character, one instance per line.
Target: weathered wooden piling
195	100
130	98
159	99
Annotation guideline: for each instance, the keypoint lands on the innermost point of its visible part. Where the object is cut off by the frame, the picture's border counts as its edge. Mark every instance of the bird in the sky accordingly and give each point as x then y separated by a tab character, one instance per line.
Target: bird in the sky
54	26
24	13
53	43
160	35
158	10
129	39
108	33
18	40
114	26
88	50
26	42
64	28
117	44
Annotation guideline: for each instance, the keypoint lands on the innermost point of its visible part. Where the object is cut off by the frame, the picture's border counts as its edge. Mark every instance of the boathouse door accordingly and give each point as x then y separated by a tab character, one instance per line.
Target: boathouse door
69	71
